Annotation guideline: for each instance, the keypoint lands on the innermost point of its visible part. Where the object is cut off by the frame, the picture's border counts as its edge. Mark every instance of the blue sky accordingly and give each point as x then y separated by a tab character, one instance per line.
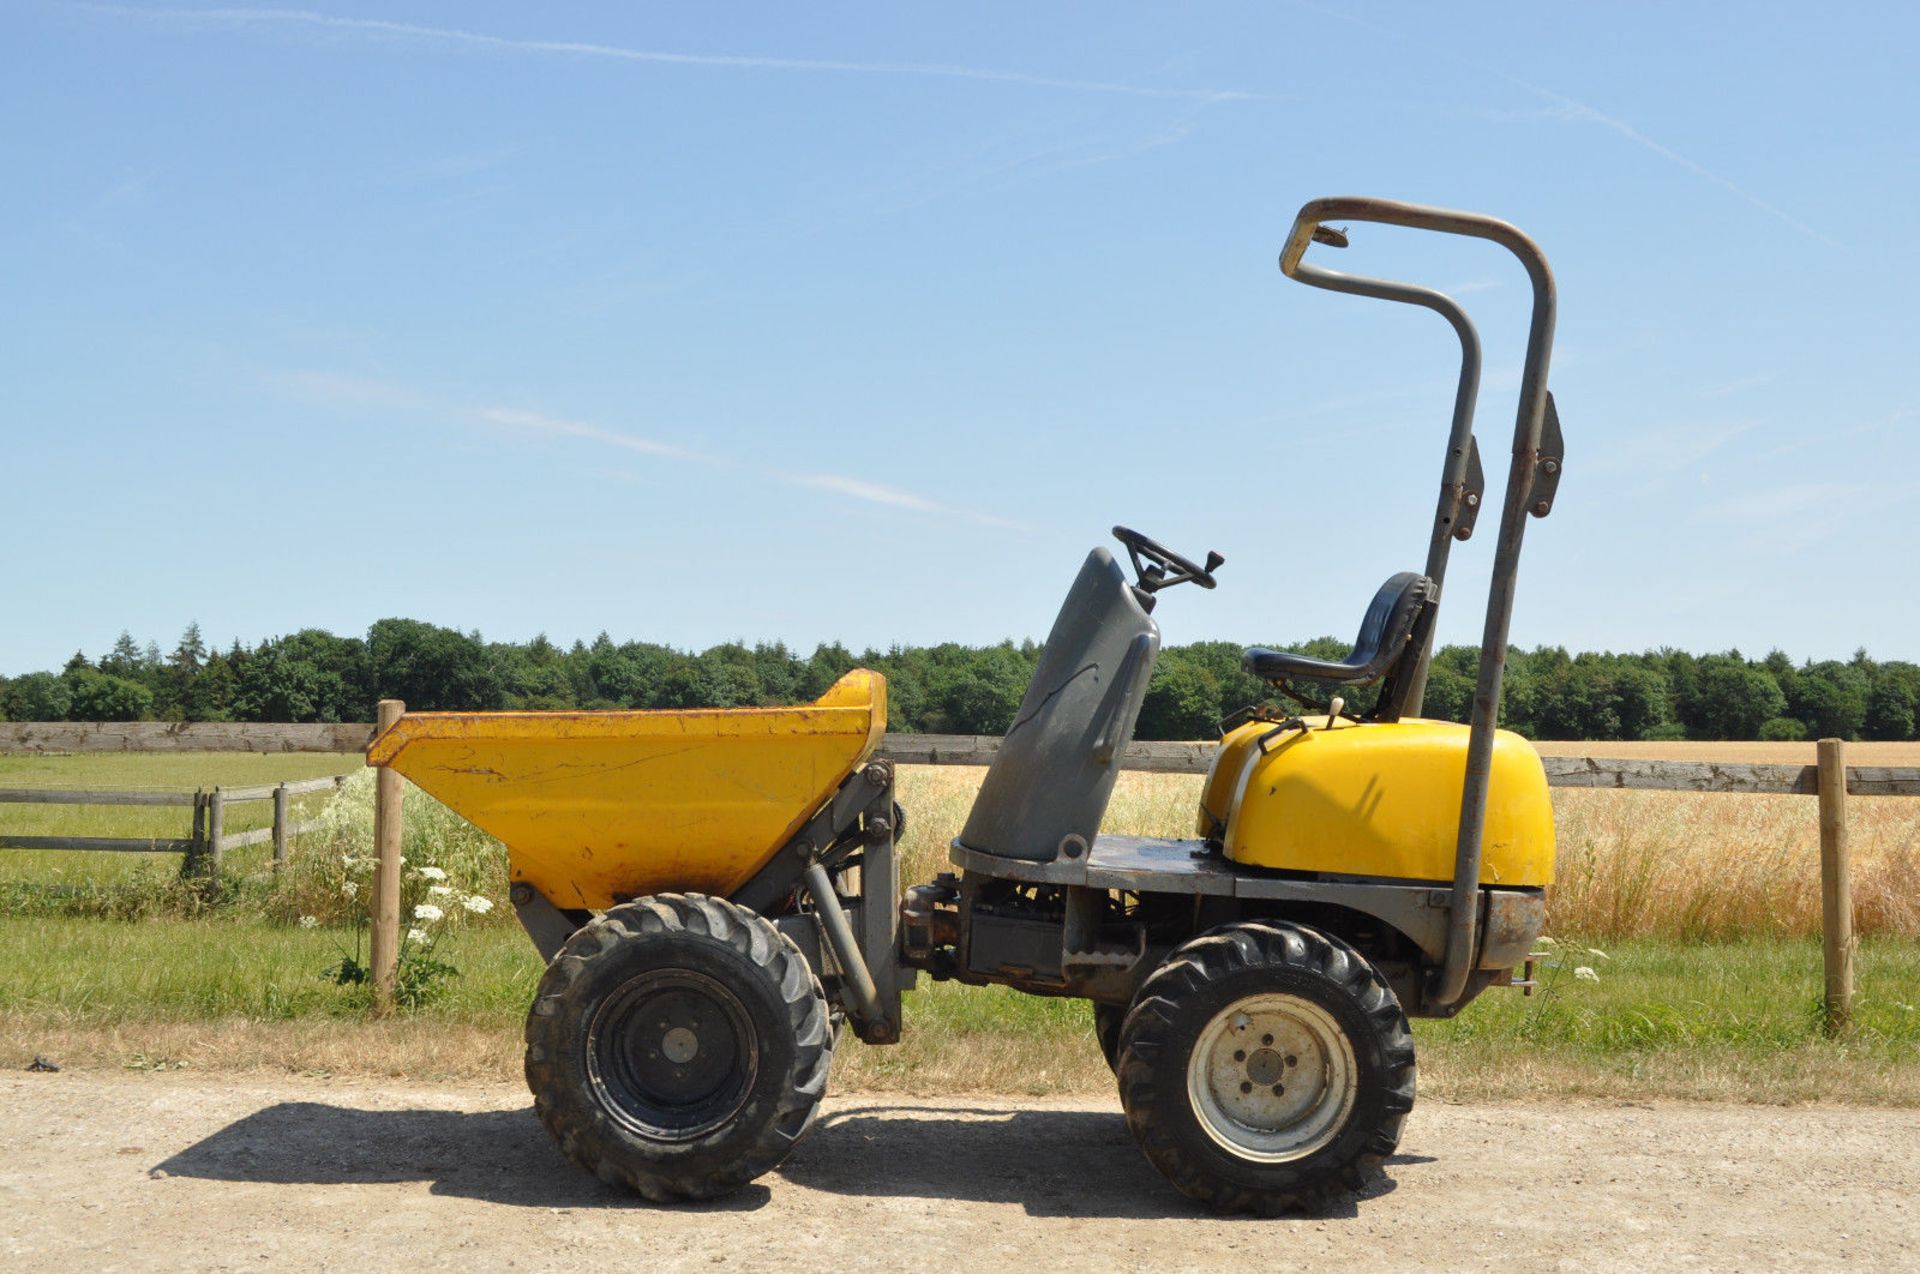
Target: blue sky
695	323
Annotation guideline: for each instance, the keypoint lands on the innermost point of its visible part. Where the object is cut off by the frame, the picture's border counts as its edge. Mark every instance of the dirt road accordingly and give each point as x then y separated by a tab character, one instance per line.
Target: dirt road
135	1171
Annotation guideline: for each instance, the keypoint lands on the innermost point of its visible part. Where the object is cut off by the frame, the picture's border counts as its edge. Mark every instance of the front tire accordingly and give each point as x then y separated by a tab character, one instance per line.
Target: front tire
1266	1067
678	1046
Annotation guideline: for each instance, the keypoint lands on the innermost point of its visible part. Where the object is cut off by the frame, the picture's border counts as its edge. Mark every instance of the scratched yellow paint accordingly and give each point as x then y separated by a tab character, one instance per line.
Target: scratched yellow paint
1376	799
595	807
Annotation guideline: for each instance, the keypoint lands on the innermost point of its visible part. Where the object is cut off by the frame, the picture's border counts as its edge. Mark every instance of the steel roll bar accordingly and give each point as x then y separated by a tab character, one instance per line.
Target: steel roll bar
1465	902
1452	519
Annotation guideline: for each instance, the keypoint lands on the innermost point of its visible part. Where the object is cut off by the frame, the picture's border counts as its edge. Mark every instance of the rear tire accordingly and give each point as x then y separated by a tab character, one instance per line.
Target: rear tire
678	1046
1266	1067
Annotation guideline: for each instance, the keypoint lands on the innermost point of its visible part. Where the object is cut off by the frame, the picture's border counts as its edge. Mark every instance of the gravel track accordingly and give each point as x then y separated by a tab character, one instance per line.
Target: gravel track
131	1171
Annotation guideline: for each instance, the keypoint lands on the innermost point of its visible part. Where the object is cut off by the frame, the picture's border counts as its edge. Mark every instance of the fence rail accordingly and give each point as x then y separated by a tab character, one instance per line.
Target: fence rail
926	749
173	736
208	838
1562	771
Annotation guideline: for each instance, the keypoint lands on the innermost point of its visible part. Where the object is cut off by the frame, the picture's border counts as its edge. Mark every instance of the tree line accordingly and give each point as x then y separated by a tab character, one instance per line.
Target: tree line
313	675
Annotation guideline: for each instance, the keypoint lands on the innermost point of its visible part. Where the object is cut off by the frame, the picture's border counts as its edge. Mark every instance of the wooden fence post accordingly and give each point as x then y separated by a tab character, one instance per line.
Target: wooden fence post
216	828
280	828
1836	886
197	839
388	788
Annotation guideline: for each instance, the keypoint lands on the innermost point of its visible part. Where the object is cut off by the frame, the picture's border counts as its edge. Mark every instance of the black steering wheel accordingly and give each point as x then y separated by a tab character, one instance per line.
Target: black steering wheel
1160	567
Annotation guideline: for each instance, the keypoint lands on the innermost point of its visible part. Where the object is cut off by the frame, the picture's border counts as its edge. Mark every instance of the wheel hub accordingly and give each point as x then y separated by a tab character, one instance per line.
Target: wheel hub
670	1054
1266	1067
1272	1078
680	1045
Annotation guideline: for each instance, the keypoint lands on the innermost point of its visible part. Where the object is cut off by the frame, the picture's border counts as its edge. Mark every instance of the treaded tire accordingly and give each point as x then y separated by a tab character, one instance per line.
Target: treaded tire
759	1018
1276	964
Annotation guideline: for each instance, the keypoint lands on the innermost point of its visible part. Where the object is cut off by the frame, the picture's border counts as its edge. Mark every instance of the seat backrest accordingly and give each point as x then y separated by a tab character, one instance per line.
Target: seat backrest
1392	638
1388	623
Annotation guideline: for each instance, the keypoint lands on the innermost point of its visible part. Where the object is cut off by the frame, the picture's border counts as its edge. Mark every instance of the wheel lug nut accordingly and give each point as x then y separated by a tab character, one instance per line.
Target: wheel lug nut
1266	1039
1279	1089
1292	1060
1239	1054
1246	1087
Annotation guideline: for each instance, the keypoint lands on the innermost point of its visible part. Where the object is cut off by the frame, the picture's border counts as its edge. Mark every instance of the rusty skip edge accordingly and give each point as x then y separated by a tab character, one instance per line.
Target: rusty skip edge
591	727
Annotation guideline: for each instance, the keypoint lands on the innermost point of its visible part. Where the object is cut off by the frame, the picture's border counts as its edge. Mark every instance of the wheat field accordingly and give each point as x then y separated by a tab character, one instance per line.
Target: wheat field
1670	865
1677	865
1907	753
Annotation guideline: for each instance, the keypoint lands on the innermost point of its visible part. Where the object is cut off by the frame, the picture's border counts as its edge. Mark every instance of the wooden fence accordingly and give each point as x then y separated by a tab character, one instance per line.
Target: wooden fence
1830	779
206	839
951	749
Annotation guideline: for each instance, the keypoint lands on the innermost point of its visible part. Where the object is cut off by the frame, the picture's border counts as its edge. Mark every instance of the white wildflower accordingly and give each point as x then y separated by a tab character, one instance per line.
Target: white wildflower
1585	973
1545	941
478	905
349	889
1596	951
309	922
428	912
417	935
441	890
433	873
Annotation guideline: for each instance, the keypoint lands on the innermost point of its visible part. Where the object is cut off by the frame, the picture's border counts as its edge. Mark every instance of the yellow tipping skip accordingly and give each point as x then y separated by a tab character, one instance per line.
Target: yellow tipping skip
1375	799
597	807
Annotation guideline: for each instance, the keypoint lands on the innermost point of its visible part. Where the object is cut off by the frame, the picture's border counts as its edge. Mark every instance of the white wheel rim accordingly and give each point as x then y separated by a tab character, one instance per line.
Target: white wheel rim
1272	1078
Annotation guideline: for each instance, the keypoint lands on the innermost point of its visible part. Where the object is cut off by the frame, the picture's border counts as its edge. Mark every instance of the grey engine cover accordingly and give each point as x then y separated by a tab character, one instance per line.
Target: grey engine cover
1049	784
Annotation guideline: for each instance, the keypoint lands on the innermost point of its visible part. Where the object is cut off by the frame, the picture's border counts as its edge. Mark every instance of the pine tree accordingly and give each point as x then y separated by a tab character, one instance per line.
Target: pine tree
124	659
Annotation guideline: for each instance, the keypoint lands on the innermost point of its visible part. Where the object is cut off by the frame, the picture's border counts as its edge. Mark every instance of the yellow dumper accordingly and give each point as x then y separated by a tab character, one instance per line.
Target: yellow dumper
715	891
605	807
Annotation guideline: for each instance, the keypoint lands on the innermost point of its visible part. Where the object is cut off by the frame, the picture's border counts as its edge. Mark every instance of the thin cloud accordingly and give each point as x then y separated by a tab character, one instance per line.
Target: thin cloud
872	492
362	391
1572	109
356	391
1089	155
1667	450
1577	110
1794	517
890	497
1828	436
454	167
1728	389
614	52
519	419
1783	502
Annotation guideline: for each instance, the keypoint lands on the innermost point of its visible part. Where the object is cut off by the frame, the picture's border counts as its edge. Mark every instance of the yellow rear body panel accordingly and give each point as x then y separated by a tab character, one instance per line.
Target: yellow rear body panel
1376	799
596	807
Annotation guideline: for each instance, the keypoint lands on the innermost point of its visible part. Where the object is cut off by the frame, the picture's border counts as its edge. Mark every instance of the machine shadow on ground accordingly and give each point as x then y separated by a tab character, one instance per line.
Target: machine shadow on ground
1048	1162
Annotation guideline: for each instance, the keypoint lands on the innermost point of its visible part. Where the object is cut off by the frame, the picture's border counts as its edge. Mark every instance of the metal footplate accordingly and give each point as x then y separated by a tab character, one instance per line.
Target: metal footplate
1151	864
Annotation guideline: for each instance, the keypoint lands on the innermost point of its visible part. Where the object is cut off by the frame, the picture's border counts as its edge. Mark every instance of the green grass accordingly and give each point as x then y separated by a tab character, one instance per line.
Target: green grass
174	970
1757	996
1725	1021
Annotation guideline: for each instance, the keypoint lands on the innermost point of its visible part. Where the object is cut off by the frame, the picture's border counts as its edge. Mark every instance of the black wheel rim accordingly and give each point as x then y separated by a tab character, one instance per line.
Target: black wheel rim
671	1054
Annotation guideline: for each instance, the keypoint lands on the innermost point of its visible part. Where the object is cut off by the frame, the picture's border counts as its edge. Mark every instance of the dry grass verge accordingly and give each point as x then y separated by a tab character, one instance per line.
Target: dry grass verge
437	1051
